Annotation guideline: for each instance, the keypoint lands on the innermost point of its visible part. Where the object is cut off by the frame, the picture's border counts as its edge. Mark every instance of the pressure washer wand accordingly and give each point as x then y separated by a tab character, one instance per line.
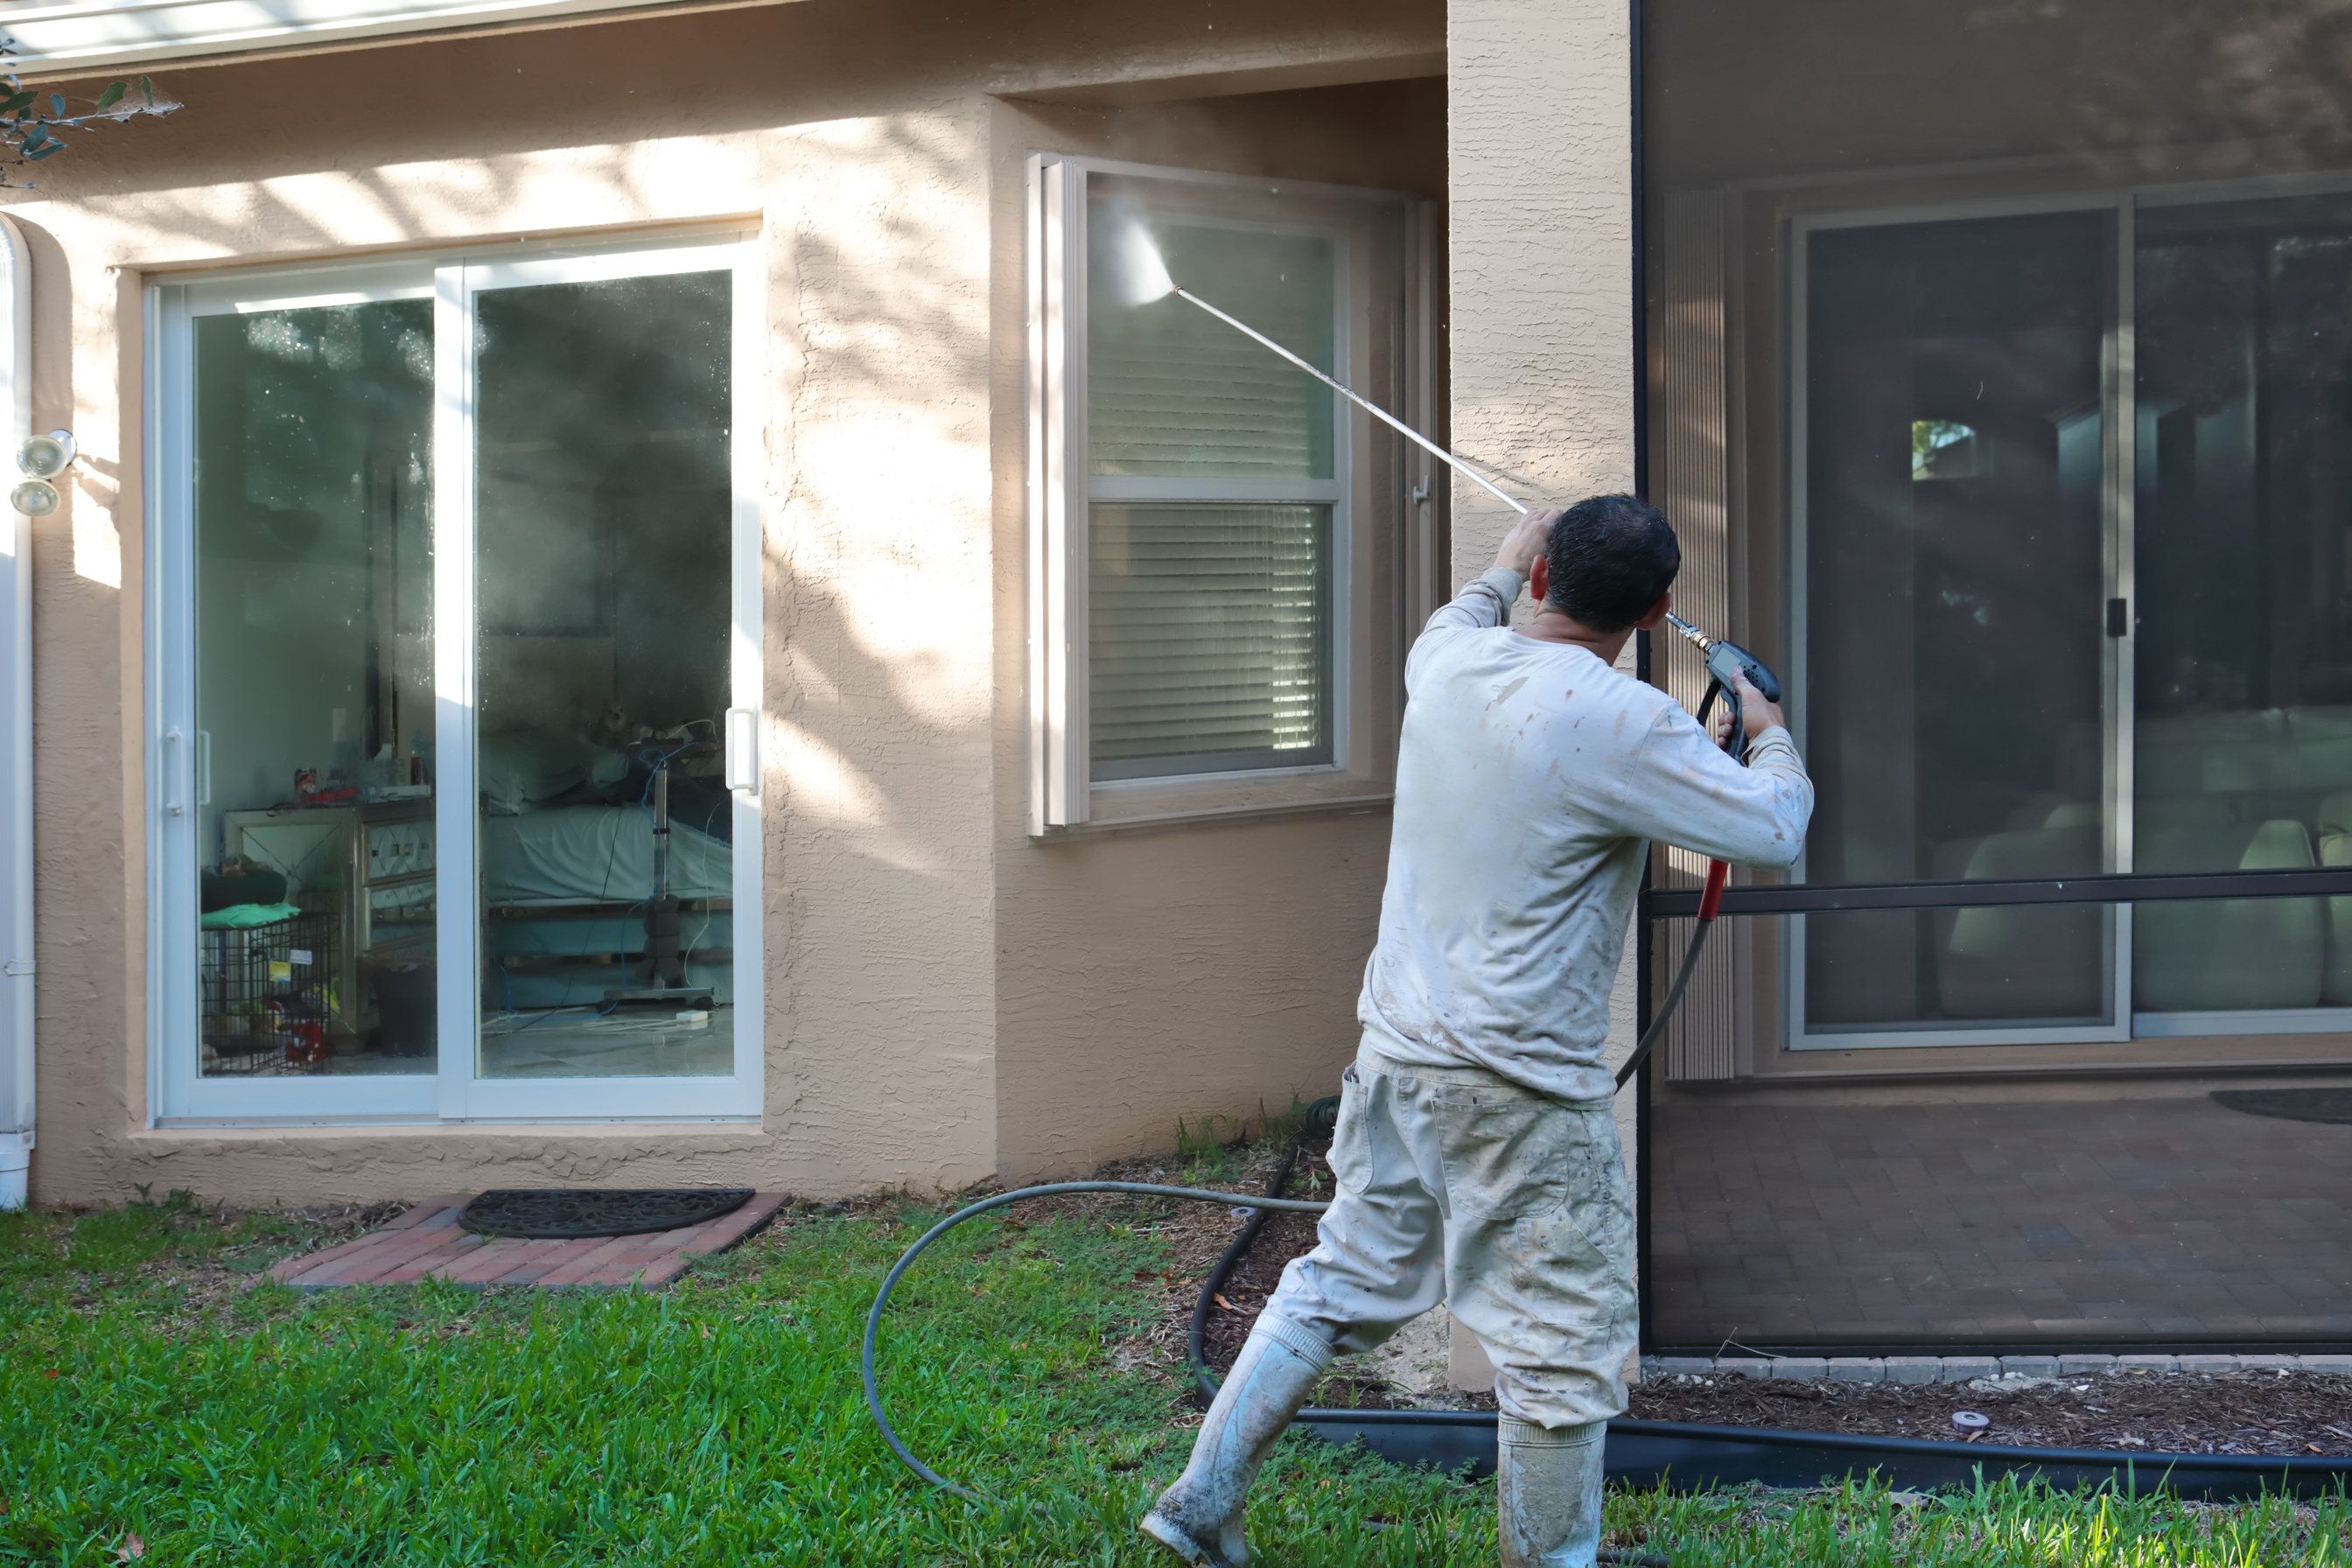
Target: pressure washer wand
1725	660
1366	404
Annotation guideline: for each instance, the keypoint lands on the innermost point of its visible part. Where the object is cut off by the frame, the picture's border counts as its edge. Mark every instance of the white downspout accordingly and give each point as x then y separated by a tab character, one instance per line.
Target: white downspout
15	735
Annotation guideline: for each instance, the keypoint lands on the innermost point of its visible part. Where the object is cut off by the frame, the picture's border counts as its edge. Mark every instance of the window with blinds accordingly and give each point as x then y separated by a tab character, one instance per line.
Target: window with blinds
1211	492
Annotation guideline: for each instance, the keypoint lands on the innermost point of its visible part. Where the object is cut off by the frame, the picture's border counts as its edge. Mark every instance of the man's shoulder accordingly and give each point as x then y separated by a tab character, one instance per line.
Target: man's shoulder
1612	686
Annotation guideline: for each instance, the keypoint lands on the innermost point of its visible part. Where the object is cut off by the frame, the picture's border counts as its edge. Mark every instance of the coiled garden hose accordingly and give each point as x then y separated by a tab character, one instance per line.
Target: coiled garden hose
1261	1208
1018	1195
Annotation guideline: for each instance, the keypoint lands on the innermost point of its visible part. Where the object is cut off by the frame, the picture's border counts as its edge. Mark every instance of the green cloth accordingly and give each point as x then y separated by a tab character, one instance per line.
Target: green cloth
243	917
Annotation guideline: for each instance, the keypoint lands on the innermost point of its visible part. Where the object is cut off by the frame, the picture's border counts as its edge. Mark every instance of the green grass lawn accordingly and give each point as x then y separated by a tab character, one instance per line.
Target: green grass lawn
153	1410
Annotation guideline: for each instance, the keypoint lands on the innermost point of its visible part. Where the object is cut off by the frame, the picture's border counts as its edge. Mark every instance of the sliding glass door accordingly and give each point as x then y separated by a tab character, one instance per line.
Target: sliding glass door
2076	588
458	664
1957	691
2243	517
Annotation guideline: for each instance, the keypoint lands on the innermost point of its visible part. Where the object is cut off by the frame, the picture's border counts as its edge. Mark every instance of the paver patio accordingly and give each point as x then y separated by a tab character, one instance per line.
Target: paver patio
2169	1222
426	1243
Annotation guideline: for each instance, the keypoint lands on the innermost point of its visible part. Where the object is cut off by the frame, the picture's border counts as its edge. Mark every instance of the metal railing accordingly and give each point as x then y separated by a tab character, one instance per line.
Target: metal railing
2111	887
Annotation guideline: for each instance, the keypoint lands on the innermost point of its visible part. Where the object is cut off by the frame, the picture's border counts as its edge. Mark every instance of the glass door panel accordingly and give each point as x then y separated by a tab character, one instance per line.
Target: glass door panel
1955	453
2243	559
604	559
317	882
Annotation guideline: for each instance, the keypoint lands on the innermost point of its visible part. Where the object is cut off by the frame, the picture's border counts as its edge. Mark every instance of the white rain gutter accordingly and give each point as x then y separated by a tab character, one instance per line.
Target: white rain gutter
81	38
15	735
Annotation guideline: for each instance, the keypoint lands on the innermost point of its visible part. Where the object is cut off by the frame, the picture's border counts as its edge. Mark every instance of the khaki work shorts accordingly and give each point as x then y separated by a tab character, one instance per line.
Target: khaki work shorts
1457	1186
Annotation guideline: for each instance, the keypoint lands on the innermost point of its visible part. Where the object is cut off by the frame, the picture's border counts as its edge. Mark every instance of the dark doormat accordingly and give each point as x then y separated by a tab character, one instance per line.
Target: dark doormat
558	1212
2292	1104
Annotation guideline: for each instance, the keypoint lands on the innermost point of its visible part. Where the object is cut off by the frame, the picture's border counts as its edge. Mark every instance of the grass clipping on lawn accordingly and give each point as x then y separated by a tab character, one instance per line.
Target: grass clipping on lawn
153	1409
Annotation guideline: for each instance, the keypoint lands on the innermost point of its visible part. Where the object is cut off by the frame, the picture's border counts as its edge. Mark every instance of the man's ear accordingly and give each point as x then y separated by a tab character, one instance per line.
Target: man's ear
1655	613
1539	580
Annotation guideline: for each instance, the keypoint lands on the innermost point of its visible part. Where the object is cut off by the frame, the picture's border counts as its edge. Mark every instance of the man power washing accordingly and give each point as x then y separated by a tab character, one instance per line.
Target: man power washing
1476	1151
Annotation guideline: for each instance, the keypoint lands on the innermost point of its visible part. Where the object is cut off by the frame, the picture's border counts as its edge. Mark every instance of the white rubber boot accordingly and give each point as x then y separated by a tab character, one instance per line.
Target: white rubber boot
1200	1518
1547	1485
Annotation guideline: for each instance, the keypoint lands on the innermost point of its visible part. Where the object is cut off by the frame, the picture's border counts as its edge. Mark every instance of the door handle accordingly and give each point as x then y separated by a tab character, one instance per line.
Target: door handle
174	802
744	750
2118	617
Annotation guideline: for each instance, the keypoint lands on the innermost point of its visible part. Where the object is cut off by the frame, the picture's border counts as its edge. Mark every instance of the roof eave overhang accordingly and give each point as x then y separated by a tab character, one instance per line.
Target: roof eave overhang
55	41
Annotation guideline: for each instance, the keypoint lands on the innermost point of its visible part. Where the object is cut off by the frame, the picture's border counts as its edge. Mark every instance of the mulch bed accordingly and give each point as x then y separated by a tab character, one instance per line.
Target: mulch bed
2267	1413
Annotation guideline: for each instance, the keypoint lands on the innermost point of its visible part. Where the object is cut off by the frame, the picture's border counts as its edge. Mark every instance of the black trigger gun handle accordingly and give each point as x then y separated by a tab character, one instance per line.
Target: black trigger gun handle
1725	660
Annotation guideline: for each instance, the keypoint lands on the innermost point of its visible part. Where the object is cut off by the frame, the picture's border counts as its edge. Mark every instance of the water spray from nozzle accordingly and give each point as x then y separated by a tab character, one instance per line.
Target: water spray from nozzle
1147	279
1143	273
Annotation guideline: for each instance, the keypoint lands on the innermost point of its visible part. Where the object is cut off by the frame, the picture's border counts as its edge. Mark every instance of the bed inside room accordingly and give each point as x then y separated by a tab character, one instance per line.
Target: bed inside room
602	543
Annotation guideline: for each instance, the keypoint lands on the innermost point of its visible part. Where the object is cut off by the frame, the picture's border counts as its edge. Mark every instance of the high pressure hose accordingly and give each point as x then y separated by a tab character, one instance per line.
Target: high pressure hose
1018	1195
1259	1209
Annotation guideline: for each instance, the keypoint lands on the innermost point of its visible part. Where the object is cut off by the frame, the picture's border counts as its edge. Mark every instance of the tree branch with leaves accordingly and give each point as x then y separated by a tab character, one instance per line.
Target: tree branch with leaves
35	123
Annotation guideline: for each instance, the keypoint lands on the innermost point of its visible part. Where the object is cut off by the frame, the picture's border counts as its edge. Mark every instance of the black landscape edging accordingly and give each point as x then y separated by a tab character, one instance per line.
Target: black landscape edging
1692	1455
1689	1455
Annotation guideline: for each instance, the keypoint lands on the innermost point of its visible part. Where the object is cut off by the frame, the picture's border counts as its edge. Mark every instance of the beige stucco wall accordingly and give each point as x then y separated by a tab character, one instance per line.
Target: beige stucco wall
1203	970
1542	252
864	144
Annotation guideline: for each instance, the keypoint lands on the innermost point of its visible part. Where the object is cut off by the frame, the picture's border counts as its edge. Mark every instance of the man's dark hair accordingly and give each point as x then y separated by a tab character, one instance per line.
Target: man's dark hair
1610	558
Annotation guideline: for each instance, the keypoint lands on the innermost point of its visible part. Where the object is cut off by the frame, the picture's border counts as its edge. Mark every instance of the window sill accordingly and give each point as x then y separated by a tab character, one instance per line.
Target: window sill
213	1129
1219	815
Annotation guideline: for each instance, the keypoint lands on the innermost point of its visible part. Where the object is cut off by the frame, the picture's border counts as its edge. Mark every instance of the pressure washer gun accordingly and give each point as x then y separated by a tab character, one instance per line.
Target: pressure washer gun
1725	662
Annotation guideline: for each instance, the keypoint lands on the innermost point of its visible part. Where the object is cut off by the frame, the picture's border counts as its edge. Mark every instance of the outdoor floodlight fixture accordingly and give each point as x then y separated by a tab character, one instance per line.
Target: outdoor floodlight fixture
46	456
40	459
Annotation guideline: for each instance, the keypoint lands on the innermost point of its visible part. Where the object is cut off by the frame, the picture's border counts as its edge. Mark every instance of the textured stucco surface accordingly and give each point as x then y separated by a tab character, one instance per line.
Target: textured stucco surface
1203	970
1540	146
903	909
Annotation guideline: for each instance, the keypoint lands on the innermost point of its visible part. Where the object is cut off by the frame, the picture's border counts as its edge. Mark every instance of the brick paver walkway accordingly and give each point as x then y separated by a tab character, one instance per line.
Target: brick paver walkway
425	1243
2164	1221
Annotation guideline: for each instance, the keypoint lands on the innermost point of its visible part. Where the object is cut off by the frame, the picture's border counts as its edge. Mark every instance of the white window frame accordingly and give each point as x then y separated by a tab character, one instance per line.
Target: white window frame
2119	405
1064	794
452	1091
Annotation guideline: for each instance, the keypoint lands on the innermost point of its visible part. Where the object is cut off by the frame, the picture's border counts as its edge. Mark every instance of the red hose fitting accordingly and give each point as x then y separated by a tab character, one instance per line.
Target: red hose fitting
1717	873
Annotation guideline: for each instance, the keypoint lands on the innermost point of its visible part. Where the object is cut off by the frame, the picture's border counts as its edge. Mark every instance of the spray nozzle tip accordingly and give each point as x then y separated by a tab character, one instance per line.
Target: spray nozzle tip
1141	267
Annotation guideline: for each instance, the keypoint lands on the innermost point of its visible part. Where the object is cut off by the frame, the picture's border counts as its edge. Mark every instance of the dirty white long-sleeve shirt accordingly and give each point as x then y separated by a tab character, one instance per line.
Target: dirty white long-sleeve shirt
1531	776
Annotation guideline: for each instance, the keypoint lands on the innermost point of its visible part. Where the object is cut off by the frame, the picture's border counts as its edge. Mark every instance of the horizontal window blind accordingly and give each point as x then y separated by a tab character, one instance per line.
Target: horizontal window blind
1171	390
1210	640
1210	643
